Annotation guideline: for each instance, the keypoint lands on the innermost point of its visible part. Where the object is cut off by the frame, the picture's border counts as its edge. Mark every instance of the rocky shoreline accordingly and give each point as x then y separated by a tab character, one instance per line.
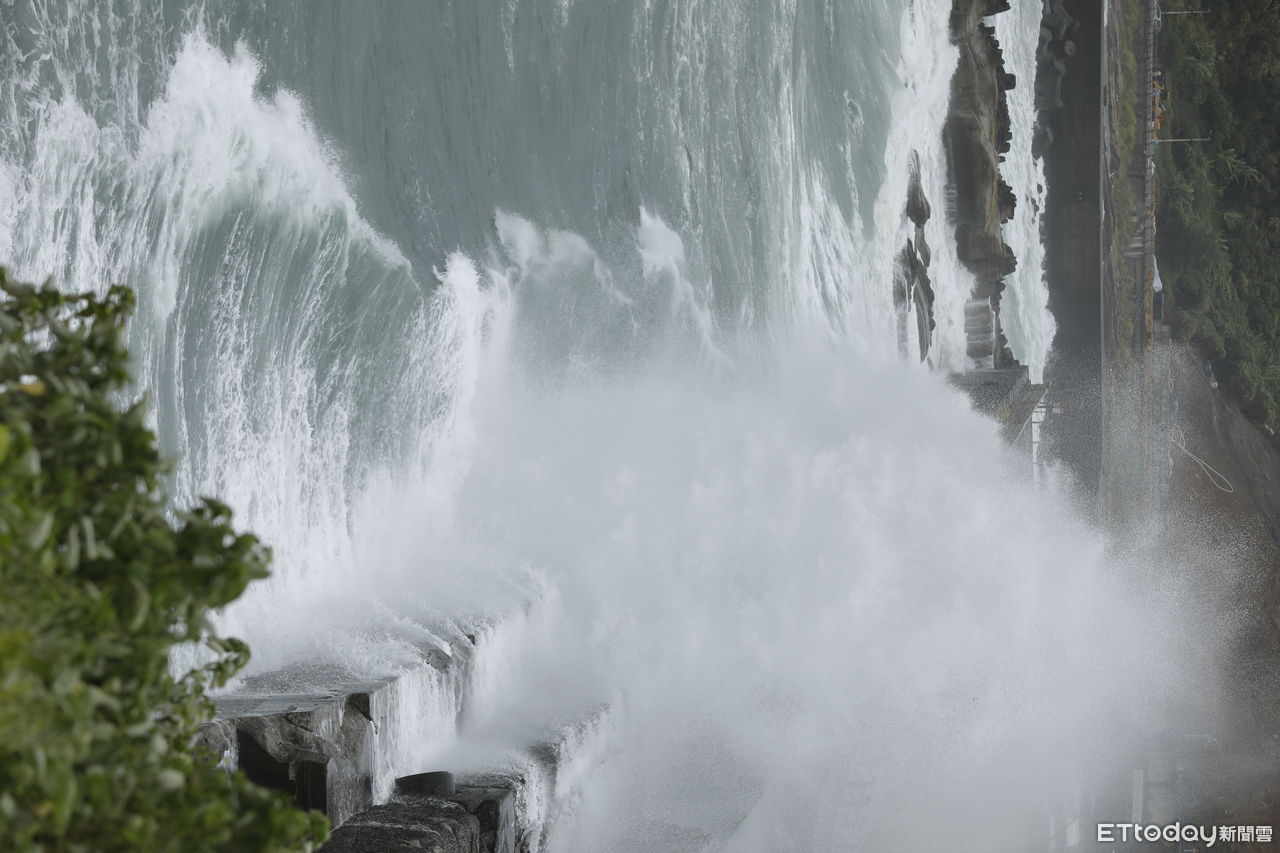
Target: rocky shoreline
977	135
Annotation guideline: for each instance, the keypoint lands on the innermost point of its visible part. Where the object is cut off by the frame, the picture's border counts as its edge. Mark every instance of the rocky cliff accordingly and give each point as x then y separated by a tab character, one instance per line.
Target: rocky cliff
978	133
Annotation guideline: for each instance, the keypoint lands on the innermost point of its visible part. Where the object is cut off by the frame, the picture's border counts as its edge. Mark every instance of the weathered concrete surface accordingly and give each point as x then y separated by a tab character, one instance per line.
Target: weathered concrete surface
513	805
479	817
315	745
492	799
410	824
323	747
316	748
482	815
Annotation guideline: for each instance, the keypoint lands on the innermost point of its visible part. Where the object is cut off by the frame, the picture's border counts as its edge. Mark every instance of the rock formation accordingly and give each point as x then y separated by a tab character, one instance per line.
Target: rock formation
978	134
912	287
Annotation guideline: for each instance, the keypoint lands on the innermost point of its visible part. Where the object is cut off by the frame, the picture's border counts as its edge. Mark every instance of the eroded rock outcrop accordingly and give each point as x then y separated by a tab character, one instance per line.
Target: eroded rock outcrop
978	134
912	287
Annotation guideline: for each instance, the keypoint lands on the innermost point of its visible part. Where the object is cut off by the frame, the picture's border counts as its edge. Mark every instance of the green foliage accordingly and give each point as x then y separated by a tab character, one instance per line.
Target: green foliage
1219	242
100	580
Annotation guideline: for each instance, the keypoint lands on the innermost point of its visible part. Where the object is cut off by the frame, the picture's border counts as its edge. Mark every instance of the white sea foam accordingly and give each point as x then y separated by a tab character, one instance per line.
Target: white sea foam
796	582
926	66
1024	306
783	561
797	587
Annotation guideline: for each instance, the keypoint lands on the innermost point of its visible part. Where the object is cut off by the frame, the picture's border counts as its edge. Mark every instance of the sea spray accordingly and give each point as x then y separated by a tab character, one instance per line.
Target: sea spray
627	361
810	589
1024	305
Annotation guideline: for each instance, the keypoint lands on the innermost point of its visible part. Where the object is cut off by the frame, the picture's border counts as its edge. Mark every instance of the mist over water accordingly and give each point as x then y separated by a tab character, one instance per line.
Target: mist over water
832	610
574	322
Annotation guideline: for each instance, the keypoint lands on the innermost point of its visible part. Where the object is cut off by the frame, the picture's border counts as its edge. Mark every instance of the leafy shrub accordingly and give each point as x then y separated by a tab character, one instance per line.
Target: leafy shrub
1218	246
99	579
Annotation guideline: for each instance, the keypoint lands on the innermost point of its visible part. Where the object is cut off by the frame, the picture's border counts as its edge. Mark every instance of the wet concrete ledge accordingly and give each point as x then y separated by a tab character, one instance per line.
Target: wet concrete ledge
320	733
507	809
479	817
333	748
319	747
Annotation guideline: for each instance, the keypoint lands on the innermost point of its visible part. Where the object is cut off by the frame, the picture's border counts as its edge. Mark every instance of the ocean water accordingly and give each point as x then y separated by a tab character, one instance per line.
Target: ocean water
582	311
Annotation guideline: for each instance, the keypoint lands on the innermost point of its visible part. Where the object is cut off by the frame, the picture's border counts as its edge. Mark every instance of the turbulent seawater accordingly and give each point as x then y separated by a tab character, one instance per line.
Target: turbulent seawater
584	310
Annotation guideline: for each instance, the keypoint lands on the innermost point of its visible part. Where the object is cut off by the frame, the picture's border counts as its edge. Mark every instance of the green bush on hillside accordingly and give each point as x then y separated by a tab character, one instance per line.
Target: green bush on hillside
98	581
1219	225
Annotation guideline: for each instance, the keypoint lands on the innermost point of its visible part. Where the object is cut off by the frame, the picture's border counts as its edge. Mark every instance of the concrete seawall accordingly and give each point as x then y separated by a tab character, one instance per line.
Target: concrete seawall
339	748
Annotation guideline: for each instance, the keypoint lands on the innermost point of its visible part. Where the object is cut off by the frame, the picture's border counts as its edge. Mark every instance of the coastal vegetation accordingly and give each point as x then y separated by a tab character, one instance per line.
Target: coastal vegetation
1125	296
102	578
1219	200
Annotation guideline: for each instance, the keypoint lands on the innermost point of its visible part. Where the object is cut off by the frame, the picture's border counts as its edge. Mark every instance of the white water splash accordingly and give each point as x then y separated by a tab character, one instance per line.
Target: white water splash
1024	305
919	109
788	565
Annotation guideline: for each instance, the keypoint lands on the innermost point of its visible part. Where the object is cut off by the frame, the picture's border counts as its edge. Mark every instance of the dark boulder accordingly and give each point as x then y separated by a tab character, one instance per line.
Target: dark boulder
923	252
913	294
918	208
1007	200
